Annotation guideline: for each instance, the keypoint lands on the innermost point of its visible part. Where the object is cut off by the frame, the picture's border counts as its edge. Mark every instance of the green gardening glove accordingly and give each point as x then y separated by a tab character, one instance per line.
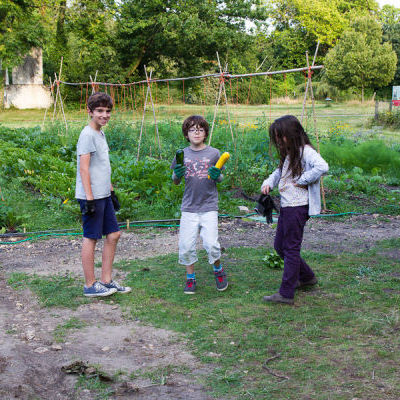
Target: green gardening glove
179	170
214	173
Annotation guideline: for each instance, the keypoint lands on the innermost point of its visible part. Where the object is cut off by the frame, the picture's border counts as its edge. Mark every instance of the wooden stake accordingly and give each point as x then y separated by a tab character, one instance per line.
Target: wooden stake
58	88
154	113
306	91
226	102
144	112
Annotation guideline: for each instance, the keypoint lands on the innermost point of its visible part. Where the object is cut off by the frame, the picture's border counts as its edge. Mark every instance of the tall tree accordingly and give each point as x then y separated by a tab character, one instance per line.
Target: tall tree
21	28
299	24
360	59
183	34
390	17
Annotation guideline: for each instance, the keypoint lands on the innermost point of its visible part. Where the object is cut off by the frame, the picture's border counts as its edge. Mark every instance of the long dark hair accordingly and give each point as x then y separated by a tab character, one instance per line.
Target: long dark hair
289	127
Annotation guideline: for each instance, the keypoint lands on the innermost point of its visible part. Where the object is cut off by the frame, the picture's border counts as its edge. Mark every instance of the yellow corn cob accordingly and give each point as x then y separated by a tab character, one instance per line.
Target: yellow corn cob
222	160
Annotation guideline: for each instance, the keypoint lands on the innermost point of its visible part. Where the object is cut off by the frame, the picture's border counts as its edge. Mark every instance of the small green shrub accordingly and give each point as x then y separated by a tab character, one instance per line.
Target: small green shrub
273	260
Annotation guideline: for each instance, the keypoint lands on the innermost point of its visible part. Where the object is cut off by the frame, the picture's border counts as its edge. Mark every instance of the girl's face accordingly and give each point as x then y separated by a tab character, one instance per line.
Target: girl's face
281	142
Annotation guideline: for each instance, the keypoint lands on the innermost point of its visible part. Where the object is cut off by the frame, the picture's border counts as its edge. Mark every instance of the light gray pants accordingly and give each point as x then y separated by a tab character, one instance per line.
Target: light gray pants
190	225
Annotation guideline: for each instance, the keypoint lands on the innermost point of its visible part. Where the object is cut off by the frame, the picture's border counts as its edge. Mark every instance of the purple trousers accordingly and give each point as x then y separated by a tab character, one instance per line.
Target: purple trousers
289	235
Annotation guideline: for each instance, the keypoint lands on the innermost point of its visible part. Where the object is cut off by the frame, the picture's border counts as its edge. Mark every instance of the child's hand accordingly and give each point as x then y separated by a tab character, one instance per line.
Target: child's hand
115	201
214	173
265	189
179	170
90	208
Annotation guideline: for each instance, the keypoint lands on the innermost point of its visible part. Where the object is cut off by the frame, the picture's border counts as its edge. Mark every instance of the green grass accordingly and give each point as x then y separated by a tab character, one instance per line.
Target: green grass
335	338
353	114
339	341
52	291
61	330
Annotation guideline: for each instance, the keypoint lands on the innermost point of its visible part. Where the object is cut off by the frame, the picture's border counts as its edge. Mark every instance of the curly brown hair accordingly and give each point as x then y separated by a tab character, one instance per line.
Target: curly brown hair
197	121
99	99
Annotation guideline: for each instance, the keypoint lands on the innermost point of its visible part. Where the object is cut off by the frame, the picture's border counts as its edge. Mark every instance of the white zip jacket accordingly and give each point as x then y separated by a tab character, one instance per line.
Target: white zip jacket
314	166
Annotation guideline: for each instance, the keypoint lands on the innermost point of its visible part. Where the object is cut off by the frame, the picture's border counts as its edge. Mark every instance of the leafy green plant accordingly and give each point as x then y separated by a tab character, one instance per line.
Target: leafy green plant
273	260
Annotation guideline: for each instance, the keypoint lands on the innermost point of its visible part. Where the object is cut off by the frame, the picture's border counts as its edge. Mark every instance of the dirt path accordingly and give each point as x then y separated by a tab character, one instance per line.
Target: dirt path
31	361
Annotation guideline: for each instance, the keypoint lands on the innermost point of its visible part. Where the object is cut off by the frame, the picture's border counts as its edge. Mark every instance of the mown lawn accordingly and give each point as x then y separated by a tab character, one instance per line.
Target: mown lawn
339	341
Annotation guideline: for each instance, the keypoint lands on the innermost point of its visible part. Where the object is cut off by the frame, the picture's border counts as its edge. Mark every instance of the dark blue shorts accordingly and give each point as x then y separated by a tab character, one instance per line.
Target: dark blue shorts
102	222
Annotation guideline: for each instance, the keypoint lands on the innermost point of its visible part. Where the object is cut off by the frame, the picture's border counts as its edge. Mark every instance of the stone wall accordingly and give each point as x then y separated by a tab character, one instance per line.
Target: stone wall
27	89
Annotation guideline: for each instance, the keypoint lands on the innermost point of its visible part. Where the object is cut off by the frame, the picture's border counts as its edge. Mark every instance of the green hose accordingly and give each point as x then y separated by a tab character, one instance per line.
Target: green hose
157	225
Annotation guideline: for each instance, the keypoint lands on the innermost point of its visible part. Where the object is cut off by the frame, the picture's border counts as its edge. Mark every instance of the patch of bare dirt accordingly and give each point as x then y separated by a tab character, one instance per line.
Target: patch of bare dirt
31	360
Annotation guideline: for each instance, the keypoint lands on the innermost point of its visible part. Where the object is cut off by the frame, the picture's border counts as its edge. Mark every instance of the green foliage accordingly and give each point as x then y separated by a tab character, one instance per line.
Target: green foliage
273	260
389	119
182	35
21	28
371	156
359	58
38	170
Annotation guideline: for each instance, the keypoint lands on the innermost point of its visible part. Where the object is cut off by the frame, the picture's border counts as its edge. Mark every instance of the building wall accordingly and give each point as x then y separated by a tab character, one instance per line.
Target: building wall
27	89
27	96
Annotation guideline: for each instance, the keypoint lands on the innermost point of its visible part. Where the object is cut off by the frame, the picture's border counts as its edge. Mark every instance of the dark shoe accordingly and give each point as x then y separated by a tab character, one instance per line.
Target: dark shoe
190	287
220	280
304	284
278	298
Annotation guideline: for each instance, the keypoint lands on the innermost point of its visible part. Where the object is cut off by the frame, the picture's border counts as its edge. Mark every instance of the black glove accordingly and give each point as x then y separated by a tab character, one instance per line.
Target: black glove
265	205
115	201
89	208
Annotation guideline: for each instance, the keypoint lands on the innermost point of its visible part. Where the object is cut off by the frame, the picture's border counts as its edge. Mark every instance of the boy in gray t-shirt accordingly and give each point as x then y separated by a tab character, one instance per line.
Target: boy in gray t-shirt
97	199
200	202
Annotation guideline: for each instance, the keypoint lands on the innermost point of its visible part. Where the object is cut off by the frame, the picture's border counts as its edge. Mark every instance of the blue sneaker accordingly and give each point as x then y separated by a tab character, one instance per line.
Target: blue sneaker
118	288
98	290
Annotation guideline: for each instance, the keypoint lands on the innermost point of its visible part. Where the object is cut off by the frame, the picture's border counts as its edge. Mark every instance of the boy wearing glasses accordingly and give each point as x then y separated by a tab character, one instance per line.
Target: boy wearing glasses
199	203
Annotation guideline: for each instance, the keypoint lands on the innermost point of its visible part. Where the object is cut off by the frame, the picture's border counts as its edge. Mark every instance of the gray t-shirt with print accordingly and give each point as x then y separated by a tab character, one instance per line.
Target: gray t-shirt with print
201	194
95	143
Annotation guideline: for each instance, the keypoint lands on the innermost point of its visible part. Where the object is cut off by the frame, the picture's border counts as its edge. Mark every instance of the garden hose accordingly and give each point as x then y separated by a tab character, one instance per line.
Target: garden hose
145	223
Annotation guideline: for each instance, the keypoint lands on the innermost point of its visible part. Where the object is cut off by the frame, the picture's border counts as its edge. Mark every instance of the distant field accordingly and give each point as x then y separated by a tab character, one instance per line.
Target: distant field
350	118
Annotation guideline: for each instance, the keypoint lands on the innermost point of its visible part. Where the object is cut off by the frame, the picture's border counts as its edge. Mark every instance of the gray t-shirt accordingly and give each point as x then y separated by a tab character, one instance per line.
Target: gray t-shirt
201	194
95	143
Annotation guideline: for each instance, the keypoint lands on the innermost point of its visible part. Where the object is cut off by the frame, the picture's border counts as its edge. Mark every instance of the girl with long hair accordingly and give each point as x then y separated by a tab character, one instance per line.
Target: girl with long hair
298	180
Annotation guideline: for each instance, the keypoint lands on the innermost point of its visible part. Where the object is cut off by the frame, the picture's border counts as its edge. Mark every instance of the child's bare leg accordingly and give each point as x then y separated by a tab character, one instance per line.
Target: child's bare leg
110	245
190	269
87	254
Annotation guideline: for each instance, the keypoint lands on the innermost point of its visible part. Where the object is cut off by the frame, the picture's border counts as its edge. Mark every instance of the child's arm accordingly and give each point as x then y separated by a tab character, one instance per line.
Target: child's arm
318	166
84	163
272	180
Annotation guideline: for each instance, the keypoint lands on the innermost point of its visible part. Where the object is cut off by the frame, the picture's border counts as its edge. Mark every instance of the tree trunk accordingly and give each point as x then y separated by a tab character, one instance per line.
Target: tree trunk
362	94
60	32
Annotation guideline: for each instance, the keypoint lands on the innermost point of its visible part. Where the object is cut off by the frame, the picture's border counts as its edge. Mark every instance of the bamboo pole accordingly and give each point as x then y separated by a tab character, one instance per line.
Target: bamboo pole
226	99
215	112
309	81
58	88
154	114
141	127
307	84
47	108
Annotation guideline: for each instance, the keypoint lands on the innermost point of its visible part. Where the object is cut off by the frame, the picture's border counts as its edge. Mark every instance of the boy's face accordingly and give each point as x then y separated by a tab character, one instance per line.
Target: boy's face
196	135
100	116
